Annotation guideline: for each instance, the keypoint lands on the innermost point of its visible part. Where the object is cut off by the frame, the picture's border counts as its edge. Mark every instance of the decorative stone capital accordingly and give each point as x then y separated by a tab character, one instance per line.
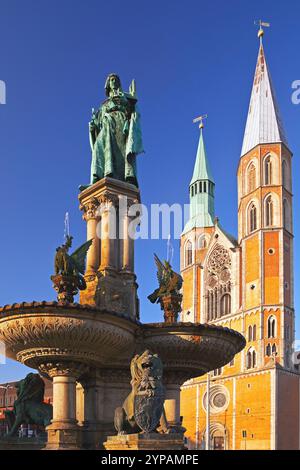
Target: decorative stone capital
107	200
63	369
90	209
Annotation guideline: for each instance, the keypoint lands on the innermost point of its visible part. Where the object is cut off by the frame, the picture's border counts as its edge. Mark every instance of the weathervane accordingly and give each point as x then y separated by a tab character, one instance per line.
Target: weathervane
200	119
261	24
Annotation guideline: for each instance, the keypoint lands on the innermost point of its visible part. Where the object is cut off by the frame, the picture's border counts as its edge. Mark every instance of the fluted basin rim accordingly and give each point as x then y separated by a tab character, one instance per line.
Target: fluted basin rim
12	309
192	348
198	328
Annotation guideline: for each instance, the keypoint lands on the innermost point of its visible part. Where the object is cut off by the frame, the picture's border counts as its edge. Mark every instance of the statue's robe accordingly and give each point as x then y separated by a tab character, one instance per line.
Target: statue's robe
119	140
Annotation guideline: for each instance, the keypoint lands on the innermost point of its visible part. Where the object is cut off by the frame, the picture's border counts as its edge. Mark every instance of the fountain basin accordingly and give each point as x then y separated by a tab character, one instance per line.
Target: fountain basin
39	332
81	344
191	349
45	331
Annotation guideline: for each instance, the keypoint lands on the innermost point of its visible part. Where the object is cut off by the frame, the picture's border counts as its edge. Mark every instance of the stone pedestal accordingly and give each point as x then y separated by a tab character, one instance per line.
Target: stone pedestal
171	306
111	220
66	287
143	441
21	444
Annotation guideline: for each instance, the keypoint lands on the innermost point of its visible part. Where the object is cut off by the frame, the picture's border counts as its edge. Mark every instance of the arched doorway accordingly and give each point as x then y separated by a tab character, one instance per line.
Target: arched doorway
218	437
218	440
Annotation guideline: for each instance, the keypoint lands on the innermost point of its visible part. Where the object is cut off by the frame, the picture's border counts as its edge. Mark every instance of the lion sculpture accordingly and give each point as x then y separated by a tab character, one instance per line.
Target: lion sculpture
29	407
143	409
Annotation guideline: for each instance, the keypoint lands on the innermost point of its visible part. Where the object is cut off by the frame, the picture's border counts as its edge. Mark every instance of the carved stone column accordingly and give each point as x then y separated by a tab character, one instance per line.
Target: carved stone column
63	432
172	404
128	238
113	285
91	216
108	210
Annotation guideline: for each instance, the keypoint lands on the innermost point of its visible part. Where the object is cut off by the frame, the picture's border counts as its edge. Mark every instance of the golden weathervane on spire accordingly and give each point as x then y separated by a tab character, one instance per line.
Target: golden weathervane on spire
262	25
200	119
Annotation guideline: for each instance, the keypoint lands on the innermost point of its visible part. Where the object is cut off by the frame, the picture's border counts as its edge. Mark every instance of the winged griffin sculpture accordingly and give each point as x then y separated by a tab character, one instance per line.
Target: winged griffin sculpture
73	264
69	269
169	281
168	293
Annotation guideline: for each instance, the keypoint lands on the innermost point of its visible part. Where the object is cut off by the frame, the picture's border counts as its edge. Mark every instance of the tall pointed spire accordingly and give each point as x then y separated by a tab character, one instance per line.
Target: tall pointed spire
201	169
202	186
264	124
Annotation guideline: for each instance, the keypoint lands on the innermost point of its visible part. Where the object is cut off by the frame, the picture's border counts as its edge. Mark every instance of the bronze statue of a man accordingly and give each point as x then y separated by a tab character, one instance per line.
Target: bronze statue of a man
115	134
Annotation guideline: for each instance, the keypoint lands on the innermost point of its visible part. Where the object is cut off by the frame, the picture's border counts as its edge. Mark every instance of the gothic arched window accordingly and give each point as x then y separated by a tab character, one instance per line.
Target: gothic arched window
251	177
250	333
268	350
202	242
271	327
188	253
269	211
252	217
226	304
268	171
251	359
274	350
215	312
208	306
254	333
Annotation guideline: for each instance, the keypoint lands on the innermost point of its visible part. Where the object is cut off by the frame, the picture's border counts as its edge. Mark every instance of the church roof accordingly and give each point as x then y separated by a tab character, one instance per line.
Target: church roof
230	237
201	169
264	124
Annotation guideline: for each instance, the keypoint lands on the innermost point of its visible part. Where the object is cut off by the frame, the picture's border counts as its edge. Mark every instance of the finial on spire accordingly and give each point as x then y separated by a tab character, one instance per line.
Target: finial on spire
261	31
200	119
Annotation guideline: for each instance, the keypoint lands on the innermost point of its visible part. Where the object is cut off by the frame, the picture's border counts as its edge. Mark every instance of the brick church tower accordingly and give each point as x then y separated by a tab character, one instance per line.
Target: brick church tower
246	284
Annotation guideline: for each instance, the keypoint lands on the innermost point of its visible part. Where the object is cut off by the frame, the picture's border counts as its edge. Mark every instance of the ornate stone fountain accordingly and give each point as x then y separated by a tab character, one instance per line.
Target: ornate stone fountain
86	348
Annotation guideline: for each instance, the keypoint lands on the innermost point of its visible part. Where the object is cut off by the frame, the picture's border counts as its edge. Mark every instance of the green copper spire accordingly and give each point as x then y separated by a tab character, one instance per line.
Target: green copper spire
201	169
202	187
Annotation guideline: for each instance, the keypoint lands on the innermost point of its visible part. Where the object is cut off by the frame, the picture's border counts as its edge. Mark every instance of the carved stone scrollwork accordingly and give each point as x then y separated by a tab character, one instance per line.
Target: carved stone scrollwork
66	369
107	199
90	209
57	337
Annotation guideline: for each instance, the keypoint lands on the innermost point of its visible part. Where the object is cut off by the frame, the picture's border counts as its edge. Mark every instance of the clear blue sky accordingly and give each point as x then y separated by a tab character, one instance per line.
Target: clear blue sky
188	58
